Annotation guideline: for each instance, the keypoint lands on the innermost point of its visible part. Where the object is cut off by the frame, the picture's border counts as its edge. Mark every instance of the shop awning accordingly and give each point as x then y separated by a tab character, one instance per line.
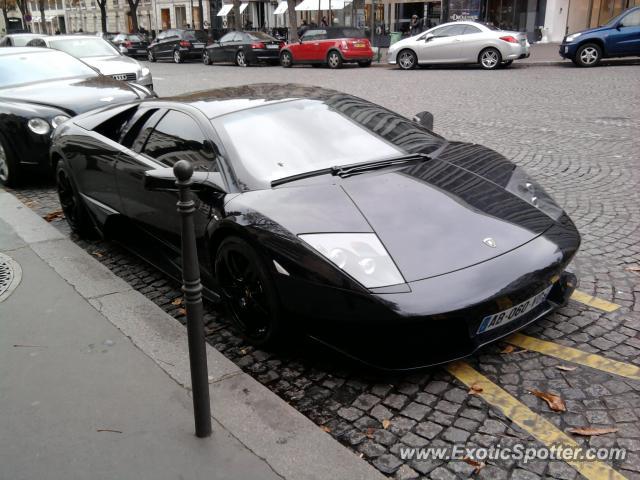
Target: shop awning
282	8
224	11
314	5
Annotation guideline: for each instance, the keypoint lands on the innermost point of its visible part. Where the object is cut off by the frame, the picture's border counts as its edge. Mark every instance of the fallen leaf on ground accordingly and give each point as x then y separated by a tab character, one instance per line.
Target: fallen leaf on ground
512	349
108	430
477	466
182	311
97	254
475	389
49	217
386	423
589	432
177	301
324	428
633	269
565	368
554	401
370	432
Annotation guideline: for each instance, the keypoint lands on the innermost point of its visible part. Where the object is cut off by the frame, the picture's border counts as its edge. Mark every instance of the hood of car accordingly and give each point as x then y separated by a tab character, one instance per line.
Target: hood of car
591	30
112	65
74	95
435	217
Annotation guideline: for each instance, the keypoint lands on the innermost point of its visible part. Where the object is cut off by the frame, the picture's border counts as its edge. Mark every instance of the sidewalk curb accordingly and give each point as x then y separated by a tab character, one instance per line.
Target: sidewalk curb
288	441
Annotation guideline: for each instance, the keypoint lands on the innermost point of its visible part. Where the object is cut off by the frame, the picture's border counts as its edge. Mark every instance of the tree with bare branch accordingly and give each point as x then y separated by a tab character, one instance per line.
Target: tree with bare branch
293	21
133	11
102	5
42	4
237	18
23	6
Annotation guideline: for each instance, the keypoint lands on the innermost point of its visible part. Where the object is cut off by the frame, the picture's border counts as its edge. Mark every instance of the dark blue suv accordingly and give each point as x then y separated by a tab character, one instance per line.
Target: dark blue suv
618	38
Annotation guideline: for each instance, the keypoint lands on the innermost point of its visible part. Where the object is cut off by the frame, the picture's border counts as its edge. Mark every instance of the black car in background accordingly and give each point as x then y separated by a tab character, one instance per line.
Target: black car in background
18	39
244	49
177	45
39	90
321	212
131	44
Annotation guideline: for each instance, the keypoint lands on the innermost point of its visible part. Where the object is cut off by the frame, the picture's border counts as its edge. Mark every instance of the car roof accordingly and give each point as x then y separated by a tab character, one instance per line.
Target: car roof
73	37
25	34
222	101
22	50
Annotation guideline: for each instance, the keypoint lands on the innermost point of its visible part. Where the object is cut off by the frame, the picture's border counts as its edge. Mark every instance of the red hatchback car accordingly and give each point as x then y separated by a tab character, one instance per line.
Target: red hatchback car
330	46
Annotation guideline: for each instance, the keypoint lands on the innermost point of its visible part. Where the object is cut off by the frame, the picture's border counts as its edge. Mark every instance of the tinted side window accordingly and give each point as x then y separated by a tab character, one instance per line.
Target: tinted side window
178	137
471	29
227	37
134	133
631	20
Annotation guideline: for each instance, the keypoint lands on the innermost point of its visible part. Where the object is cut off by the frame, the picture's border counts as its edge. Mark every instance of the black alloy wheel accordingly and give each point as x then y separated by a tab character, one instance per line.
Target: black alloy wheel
334	59
206	59
286	60
241	59
407	60
9	168
177	56
72	206
150	56
248	292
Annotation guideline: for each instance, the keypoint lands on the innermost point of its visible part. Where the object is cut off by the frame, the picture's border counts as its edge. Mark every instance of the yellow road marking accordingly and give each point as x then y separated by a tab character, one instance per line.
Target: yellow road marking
543	430
575	356
594	302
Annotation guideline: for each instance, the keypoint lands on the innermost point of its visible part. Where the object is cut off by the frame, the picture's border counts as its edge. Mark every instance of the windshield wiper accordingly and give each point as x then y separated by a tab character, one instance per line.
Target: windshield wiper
353	169
345	171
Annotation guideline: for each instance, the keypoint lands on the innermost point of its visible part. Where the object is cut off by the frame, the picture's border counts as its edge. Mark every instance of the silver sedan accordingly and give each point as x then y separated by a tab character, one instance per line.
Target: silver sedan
101	55
460	43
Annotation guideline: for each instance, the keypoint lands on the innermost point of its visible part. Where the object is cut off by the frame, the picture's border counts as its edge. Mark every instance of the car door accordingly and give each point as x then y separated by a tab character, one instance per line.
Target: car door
304	50
443	47
164	138
472	41
167	44
156	44
320	46
624	39
217	50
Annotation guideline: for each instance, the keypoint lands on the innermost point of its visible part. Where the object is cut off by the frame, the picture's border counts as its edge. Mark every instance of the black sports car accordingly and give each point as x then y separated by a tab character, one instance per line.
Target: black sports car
39	90
322	212
244	49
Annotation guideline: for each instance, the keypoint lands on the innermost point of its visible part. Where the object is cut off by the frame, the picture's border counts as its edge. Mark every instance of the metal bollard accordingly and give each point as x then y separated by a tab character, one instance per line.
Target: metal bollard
192	289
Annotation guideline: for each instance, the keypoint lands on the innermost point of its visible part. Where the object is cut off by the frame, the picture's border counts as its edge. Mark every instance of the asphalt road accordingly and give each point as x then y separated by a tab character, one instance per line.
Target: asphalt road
574	130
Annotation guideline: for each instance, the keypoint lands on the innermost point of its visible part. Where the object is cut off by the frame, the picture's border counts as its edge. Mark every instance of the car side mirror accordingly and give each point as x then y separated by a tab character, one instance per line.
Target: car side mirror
424	119
163	180
429	36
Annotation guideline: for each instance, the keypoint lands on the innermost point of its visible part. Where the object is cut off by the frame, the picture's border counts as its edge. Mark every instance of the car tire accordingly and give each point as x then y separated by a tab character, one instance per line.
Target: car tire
286	59
151	57
177	56
506	64
248	292
206	59
334	59
490	58
71	202
588	55
407	59
364	63
241	59
9	167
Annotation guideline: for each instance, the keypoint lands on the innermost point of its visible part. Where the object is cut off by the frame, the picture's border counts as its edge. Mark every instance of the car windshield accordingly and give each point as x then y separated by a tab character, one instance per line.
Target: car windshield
294	137
22	40
194	35
40	66
260	36
84	47
134	38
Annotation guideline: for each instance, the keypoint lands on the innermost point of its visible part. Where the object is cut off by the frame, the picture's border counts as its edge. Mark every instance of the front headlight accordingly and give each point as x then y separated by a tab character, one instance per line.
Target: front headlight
39	126
361	255
58	120
145	71
572	37
523	186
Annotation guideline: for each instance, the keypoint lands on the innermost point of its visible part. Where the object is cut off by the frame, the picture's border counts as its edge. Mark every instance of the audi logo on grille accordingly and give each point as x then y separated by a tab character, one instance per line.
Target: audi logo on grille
122	76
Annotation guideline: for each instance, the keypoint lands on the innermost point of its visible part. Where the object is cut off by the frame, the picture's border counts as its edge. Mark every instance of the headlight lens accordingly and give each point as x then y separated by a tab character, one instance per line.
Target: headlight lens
39	126
361	255
572	37
523	186
145	71
58	120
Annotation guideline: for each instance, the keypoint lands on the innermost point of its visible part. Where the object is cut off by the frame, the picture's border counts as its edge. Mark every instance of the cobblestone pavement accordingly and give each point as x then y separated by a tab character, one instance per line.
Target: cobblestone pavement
576	131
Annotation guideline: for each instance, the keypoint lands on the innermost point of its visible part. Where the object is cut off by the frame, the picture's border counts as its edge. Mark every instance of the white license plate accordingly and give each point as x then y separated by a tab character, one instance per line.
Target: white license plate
274	47
566	49
142	51
498	319
198	45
